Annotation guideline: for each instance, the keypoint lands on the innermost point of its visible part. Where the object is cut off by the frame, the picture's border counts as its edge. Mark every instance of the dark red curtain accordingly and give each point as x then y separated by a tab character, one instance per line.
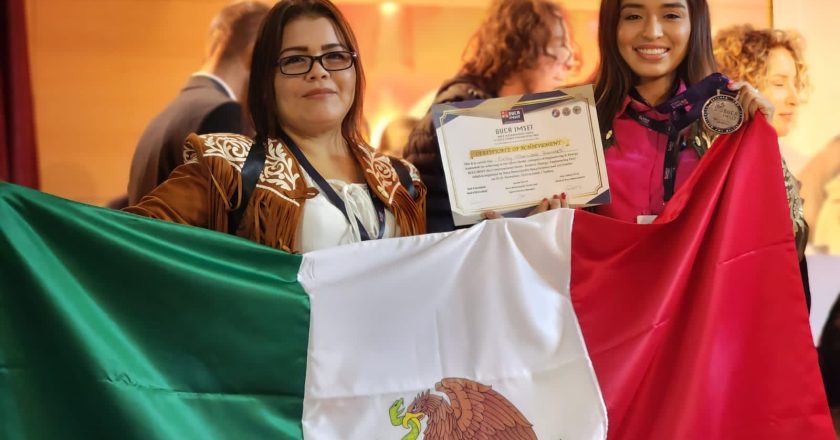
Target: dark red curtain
18	153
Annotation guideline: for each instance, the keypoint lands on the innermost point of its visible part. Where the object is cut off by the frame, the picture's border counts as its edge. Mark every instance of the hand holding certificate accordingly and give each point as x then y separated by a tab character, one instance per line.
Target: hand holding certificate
507	154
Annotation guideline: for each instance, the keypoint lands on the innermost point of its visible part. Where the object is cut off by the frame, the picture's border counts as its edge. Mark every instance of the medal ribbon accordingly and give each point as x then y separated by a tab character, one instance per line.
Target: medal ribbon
679	117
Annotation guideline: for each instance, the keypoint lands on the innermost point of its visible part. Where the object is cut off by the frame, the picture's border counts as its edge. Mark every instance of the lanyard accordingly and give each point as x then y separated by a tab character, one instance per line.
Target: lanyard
330	193
679	117
672	150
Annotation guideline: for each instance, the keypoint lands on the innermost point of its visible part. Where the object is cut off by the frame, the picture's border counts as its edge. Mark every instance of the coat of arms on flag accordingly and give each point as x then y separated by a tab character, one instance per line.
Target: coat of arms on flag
473	411
693	327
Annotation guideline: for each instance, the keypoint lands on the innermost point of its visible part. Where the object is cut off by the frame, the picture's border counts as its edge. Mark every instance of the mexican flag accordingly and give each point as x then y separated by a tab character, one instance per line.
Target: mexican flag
565	325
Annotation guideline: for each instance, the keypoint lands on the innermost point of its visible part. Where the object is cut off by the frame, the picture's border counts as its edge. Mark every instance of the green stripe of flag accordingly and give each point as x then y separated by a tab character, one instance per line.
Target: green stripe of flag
205	337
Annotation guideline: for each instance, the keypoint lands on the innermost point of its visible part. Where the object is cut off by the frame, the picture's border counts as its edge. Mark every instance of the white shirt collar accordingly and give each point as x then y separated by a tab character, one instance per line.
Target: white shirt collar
219	81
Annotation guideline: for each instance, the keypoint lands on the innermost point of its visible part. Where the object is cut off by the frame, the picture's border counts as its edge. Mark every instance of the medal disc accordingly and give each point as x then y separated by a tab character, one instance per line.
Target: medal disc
723	114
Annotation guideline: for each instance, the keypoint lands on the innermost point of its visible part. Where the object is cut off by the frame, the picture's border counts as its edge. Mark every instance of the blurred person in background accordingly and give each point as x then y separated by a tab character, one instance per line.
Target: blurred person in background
821	194
395	136
208	103
773	61
523	46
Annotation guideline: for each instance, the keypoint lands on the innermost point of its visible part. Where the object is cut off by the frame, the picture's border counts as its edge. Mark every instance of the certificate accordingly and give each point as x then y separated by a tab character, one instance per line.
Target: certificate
507	154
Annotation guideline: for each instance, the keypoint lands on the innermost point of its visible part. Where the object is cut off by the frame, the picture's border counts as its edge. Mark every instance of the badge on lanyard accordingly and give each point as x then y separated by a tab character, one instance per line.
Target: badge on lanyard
723	114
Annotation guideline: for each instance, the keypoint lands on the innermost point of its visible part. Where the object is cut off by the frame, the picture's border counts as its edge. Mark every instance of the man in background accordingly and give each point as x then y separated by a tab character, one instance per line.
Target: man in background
208	103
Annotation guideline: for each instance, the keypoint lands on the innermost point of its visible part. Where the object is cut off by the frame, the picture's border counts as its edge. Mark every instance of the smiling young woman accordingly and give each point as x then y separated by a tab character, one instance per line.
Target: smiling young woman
645	43
308	180
651	51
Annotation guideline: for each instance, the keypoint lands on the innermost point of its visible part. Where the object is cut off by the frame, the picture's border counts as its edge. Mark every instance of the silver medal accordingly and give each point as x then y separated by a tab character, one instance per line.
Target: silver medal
723	114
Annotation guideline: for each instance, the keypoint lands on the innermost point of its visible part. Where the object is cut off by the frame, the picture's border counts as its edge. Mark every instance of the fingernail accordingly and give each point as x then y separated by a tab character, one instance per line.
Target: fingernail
563	196
544	200
555	197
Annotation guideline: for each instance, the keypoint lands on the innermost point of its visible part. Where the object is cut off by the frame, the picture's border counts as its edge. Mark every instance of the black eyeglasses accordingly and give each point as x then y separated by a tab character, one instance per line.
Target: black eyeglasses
331	61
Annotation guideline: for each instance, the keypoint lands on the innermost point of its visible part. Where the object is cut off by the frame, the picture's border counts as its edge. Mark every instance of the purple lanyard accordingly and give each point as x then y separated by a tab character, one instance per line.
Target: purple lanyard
679	117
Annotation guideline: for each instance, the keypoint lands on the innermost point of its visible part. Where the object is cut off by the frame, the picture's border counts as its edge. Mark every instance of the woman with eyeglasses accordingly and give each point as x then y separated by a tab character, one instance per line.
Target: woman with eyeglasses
308	180
523	46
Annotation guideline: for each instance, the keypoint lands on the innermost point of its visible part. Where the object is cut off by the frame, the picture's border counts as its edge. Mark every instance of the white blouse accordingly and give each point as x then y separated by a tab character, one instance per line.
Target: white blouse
323	225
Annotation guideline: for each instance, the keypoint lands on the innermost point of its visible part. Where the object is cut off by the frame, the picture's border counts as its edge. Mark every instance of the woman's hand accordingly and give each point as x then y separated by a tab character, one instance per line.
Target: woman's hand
752	100
556	201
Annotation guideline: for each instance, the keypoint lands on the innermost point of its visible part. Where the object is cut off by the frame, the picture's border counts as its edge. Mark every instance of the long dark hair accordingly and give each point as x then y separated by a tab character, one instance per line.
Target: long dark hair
261	94
615	78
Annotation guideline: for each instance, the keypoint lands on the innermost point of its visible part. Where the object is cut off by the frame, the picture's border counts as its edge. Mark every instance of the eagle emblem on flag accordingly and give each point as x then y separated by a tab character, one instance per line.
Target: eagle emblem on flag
473	411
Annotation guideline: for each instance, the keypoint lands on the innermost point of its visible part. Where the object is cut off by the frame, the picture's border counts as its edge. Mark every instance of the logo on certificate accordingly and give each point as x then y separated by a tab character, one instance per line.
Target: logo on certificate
512	116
